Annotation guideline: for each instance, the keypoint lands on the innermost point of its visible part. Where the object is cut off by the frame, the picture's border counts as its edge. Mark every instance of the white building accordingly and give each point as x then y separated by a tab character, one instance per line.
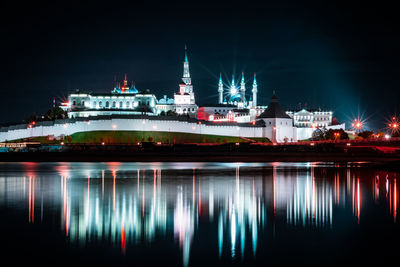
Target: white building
279	125
311	118
122	100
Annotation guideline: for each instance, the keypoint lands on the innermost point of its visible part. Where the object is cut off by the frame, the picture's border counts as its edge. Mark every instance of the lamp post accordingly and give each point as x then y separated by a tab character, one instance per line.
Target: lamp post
357	125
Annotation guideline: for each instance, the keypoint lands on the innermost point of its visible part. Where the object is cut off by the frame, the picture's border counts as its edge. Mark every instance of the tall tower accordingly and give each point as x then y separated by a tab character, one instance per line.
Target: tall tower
220	90
243	89
233	87
186	74
254	91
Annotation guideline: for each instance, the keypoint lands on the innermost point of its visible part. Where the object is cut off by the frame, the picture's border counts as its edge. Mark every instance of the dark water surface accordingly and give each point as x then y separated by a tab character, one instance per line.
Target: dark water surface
197	214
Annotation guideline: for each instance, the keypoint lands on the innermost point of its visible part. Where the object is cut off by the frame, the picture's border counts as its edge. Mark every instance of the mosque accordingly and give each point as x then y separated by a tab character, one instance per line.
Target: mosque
127	108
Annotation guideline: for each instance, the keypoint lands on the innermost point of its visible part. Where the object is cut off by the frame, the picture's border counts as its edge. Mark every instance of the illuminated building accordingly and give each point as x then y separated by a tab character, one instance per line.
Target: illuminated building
122	100
278	124
184	101
235	107
309	118
307	121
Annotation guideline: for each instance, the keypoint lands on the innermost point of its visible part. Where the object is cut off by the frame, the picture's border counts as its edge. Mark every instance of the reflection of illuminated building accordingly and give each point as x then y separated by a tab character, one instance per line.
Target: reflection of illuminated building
128	204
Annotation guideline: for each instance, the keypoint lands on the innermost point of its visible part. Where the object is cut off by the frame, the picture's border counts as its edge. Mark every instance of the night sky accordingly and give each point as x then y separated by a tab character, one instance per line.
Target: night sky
340	57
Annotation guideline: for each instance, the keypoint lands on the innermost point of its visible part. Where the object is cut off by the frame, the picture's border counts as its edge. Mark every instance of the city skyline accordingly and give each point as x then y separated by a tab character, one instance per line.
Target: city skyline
339	58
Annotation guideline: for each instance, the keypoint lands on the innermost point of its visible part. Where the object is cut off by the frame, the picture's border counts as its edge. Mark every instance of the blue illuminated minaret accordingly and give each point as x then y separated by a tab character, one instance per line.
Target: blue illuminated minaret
220	90
243	89
186	74
233	86
254	91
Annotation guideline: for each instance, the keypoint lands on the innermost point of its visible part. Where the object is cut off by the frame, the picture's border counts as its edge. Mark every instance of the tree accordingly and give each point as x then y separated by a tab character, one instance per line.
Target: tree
56	113
396	134
52	114
366	134
380	135
171	113
319	134
336	134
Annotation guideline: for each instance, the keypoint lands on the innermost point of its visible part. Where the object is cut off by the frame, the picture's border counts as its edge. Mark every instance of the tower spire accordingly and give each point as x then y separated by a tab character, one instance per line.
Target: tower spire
254	91
233	86
243	89
186	58
186	74
220	89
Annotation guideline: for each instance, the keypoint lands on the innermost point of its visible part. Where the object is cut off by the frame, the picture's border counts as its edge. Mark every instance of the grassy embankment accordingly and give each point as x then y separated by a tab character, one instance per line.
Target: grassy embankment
133	137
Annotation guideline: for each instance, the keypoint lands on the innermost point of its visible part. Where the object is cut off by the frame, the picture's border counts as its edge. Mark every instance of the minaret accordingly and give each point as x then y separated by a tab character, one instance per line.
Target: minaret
254	91
220	90
243	89
233	87
186	74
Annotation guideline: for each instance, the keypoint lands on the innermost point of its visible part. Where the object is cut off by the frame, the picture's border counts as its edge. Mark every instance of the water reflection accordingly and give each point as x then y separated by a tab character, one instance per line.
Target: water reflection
124	203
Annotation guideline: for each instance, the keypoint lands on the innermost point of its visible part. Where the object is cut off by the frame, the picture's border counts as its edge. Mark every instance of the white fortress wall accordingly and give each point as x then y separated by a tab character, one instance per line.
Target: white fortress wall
119	124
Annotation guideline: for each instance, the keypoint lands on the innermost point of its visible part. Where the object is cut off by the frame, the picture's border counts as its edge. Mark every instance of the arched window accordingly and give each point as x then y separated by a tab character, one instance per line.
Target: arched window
83	102
94	104
114	104
100	104
140	102
107	104
127	104
133	104
120	104
74	103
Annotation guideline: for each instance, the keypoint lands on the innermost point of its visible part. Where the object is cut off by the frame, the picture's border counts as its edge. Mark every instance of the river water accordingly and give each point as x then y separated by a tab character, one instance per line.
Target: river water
193	214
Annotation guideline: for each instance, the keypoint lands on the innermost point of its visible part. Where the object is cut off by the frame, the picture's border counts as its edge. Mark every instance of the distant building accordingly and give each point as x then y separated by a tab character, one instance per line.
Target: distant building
184	101
311	118
279	125
122	100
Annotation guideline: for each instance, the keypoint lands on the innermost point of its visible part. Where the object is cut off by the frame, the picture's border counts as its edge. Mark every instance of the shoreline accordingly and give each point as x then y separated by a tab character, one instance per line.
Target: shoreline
196	156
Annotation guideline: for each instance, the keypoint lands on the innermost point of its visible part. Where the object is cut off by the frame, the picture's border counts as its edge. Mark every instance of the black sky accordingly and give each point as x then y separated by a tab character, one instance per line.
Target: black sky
340	57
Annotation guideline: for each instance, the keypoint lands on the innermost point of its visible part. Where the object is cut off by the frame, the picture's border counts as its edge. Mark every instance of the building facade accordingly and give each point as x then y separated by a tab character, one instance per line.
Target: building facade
311	118
279	125
122	100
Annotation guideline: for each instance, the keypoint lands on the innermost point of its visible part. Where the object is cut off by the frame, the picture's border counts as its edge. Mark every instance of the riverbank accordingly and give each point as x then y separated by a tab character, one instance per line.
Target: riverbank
197	156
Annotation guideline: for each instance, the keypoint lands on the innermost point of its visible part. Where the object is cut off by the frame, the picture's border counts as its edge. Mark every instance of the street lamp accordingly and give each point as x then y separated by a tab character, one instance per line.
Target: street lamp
357	125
